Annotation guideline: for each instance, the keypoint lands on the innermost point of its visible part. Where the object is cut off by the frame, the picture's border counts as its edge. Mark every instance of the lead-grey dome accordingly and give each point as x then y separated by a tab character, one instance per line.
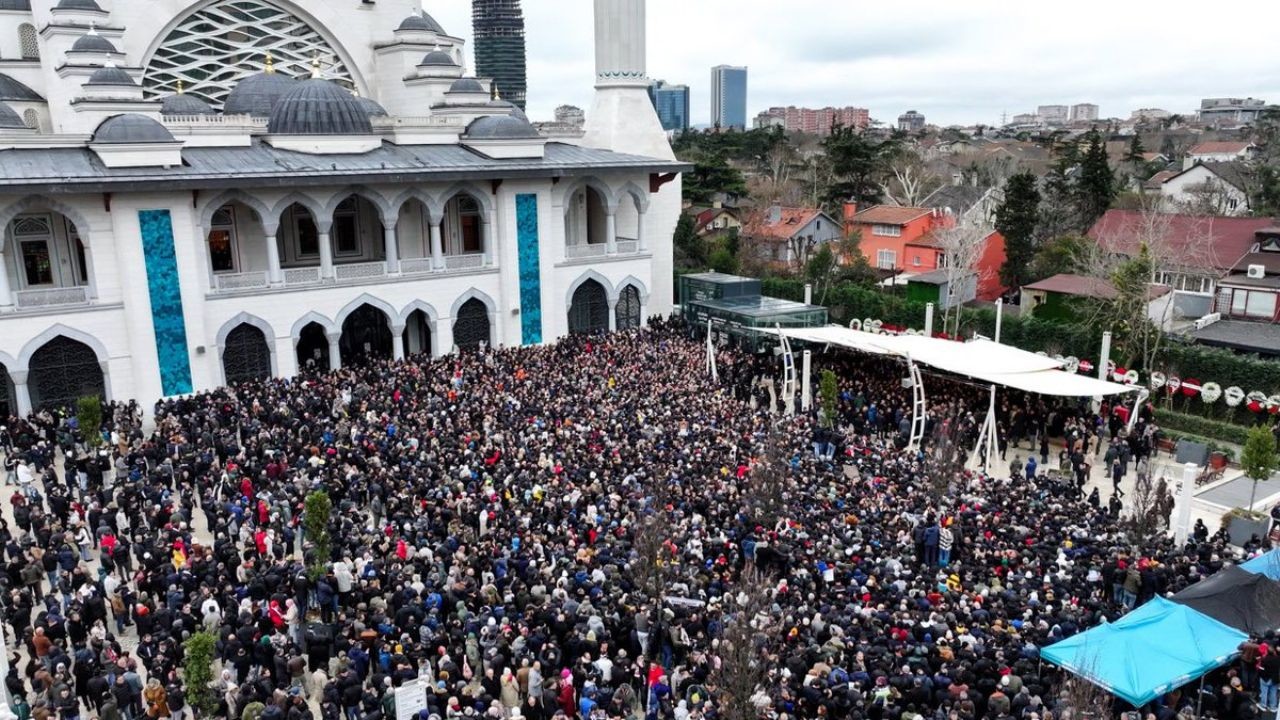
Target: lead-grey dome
11	89
15	5
501	127
423	22
319	107
438	57
258	94
131	128
93	42
78	5
110	75
467	85
9	119
371	107
503	105
183	104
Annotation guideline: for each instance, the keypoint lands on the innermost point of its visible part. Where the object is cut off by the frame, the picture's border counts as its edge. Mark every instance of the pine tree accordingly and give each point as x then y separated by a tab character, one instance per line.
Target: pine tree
1096	185
1016	220
1136	150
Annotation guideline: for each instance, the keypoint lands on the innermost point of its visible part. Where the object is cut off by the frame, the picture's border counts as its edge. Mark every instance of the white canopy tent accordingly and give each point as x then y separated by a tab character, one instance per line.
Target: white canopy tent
982	360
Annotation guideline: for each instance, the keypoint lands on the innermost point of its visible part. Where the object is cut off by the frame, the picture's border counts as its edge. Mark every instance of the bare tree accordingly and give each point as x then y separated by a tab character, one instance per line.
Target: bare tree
740	678
909	180
769	481
1211	197
1150	509
962	247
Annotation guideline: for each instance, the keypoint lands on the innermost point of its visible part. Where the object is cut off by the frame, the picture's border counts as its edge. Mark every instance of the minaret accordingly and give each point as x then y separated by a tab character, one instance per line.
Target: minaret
622	117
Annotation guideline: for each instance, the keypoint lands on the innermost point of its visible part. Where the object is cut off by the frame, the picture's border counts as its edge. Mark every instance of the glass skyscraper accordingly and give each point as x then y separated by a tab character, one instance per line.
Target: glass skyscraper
672	104
729	97
498	26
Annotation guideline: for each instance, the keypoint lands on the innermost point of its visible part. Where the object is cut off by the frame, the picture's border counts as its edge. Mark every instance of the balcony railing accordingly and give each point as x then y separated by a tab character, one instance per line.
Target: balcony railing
585	251
51	297
360	271
473	261
416	266
240	281
628	247
302	276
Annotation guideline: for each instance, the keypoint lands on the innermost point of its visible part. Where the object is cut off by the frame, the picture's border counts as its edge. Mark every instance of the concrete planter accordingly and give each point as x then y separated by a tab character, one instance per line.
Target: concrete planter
1240	528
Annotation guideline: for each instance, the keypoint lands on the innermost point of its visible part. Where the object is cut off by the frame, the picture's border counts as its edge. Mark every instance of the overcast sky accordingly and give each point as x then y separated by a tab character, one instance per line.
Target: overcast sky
957	62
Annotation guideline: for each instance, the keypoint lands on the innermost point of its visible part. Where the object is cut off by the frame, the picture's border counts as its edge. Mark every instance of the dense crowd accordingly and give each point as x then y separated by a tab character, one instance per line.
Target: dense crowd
588	530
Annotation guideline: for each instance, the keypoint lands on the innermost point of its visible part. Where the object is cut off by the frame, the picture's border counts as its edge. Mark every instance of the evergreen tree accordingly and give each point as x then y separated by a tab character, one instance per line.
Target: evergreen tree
1016	220
856	163
1136	150
1096	185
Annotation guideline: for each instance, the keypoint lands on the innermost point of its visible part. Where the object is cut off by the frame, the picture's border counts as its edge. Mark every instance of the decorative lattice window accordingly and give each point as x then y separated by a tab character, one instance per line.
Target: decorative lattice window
471	327
246	356
32	226
27	43
628	311
31	119
211	49
590	310
63	371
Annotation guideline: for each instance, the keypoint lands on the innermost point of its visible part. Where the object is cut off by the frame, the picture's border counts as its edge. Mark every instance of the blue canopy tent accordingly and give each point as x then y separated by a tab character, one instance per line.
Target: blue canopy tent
1267	564
1153	650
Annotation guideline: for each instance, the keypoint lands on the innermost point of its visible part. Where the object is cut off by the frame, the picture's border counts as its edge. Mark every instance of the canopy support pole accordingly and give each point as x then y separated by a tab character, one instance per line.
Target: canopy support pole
1103	361
999	316
806	383
1143	394
1186	494
987	436
788	374
917	406
928	320
711	355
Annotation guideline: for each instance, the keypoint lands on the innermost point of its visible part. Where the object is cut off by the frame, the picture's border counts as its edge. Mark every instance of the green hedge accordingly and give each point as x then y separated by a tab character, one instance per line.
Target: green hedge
1212	364
1205	427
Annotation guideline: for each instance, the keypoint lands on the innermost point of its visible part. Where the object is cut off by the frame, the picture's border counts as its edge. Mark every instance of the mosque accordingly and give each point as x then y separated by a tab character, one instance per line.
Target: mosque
199	193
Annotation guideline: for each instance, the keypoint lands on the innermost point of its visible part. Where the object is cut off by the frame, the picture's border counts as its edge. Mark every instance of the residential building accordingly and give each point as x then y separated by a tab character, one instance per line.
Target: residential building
188	213
765	119
1084	112
886	231
672	104
817	121
966	202
1025	119
1053	114
911	121
571	115
1066	296
1149	114
1218	151
789	235
1248	301
714	221
729	97
1230	112
498	30
1192	252
943	288
1209	188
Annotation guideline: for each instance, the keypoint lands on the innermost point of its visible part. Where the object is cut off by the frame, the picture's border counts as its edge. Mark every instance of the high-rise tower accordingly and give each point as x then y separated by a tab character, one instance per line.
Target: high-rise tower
498	26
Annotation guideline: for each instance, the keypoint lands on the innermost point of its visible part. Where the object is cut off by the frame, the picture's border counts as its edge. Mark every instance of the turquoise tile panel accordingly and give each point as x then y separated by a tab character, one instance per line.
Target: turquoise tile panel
166	301
530	269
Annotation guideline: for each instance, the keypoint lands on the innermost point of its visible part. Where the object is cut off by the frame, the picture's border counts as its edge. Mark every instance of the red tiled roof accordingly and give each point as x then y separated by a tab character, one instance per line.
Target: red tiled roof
1204	242
927	240
708	215
890	215
790	221
1217	147
1160	178
1085	286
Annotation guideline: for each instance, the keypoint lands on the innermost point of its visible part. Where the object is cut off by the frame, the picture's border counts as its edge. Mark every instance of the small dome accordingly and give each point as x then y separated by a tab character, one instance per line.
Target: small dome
15	5
183	104
371	107
501	127
131	128
437	57
111	75
319	107
257	94
424	23
9	119
93	42
467	85
503	105
78	5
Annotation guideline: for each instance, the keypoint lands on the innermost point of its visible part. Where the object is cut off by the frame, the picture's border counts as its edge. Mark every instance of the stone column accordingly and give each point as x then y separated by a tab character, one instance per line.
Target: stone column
393	252
326	255
487	240
89	272
641	246
611	233
397	342
21	393
335	351
6	294
274	275
437	247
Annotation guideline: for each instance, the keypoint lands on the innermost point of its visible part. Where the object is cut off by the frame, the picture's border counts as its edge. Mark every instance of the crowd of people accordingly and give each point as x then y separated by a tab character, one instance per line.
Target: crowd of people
592	529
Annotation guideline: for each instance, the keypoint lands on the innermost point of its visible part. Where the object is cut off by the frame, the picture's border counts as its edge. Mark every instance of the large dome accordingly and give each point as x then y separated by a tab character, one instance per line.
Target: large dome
131	128
319	107
78	5
183	104
501	127
371	107
257	94
93	42
505	106
423	23
9	119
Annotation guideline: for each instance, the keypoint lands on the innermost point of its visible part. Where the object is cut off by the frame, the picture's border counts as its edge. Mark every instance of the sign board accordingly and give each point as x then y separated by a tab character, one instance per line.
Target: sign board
411	699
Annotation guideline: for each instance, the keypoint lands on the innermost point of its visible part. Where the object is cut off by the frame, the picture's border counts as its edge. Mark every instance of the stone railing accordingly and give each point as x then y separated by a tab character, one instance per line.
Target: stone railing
585	251
240	281
302	276
360	271
473	261
51	297
628	247
416	266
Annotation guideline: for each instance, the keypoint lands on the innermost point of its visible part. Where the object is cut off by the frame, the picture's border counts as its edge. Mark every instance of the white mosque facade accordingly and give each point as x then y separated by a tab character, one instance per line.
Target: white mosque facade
198	193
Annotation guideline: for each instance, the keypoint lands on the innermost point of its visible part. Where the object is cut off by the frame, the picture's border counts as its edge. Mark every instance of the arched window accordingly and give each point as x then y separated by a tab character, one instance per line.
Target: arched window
63	371
471	326
366	337
628	310
589	312
247	356
31	119
27	43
